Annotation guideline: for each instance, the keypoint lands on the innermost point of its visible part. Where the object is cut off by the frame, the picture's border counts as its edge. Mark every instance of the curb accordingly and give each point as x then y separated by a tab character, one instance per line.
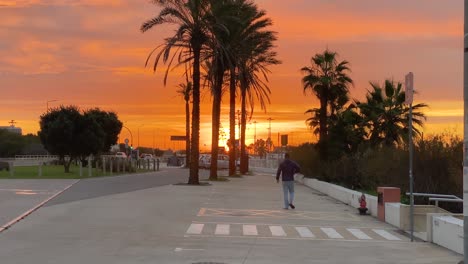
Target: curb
30	211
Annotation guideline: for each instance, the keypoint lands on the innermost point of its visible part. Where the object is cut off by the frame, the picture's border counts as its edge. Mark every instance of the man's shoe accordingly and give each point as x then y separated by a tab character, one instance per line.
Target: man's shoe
292	206
286	208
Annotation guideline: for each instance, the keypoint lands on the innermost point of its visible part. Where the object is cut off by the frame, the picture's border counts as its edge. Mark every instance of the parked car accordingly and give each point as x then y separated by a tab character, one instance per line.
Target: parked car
146	156
205	161
121	154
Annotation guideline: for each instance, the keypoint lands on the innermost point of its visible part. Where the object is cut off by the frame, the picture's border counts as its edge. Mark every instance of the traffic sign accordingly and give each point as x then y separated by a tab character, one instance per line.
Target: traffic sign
126	142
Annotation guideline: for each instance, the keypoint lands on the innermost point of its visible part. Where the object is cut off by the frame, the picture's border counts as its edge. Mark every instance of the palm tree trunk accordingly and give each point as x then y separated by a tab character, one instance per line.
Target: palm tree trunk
187	134
323	124
194	154
216	115
232	122
244	166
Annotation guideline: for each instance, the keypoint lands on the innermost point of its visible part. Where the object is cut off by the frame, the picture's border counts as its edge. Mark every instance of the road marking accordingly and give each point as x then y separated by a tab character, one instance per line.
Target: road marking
222	229
304	231
277	231
250	230
187	249
195	229
331	232
358	233
386	234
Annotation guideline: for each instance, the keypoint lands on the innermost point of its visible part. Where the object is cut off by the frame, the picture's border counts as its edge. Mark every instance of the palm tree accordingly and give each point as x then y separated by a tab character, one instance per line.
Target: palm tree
185	90
386	116
225	12
327	79
253	73
191	36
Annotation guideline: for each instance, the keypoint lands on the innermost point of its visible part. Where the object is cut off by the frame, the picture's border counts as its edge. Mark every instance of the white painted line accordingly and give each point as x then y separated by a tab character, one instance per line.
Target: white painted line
331	232
222	230
250	230
195	229
304	231
385	234
187	249
277	231
358	233
30	211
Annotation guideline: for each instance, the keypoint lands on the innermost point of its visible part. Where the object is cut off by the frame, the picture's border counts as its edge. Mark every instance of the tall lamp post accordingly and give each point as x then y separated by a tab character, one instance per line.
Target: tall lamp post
465	134
47	104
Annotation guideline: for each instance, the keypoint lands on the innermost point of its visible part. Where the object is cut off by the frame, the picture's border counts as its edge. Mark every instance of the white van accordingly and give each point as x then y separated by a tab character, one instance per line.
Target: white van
205	161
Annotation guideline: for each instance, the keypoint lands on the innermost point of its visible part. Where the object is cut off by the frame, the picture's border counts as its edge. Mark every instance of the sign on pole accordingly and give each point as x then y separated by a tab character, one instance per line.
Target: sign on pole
409	88
126	142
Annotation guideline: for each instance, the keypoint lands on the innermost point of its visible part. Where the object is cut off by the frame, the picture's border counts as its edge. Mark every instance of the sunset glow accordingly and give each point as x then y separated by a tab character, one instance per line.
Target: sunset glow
90	53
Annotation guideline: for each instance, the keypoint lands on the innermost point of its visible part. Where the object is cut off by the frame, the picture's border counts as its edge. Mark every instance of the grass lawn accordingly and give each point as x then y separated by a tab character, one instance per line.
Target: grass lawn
55	172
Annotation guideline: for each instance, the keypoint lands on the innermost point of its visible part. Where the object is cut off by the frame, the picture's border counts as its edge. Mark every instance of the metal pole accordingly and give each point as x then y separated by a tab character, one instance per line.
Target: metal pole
410	142
465	135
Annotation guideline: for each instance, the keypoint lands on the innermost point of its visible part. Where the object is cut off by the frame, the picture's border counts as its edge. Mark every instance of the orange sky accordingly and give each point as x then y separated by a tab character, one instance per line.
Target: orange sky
90	53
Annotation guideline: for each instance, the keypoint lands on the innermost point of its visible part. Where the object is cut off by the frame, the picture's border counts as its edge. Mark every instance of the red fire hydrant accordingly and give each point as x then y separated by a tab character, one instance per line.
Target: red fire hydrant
362	205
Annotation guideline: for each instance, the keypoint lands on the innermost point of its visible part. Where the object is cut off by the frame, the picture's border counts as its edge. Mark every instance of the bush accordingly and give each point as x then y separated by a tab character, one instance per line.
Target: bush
437	167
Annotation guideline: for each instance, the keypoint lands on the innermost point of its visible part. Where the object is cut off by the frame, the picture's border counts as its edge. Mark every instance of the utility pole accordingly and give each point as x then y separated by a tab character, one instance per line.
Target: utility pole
255	131
269	134
465	134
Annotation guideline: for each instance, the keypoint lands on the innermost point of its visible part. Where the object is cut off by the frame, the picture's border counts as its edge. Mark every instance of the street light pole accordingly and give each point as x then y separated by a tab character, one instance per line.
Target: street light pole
465	134
47	104
255	131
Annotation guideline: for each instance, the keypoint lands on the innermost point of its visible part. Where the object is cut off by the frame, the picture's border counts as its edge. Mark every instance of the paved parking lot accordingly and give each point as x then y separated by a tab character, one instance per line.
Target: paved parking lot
19	196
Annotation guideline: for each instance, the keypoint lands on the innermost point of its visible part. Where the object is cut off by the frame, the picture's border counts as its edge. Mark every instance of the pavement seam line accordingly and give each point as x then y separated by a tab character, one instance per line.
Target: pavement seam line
30	211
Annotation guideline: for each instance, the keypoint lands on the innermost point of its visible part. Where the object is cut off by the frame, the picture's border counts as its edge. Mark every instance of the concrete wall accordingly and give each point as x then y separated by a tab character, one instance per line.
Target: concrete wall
340	193
447	231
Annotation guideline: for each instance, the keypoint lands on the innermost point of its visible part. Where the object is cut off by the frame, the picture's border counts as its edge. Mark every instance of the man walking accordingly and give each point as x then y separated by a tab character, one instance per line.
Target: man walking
287	169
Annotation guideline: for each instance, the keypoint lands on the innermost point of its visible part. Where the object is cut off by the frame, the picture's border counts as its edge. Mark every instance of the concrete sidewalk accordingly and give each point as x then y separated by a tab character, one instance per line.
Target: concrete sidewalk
240	221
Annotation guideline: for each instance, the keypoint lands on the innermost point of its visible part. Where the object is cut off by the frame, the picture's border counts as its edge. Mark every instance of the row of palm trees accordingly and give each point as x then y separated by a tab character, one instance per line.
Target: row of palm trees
227	45
344	124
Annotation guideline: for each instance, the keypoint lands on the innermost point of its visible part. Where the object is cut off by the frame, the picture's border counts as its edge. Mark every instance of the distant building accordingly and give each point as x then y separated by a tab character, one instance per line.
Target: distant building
13	129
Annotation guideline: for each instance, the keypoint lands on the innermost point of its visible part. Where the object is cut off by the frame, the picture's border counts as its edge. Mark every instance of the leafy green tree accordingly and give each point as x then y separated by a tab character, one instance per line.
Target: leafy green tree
194	23
11	143
60	133
327	79
260	147
110	124
71	135
386	116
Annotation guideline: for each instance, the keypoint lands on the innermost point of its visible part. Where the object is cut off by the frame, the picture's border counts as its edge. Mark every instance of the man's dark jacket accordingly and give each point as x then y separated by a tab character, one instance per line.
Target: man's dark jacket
287	169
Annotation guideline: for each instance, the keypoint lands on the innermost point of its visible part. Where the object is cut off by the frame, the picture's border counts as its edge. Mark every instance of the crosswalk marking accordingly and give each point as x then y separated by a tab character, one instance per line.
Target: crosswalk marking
304	231
195	229
358	233
250	230
292	232
331	232
385	234
222	230
277	231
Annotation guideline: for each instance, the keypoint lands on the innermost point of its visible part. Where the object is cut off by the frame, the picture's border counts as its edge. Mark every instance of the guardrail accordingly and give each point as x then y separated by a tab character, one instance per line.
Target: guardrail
35	157
439	198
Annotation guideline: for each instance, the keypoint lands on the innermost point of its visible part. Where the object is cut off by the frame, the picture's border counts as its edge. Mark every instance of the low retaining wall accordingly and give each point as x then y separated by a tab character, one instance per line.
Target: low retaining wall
447	231
340	193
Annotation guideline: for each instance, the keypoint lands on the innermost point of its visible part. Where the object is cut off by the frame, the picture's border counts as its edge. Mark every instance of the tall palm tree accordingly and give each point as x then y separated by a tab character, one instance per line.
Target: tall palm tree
185	90
327	79
386	116
224	12
255	57
193	29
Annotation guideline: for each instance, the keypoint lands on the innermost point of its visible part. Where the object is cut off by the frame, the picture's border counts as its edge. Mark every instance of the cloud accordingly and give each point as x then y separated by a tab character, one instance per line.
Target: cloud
27	3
